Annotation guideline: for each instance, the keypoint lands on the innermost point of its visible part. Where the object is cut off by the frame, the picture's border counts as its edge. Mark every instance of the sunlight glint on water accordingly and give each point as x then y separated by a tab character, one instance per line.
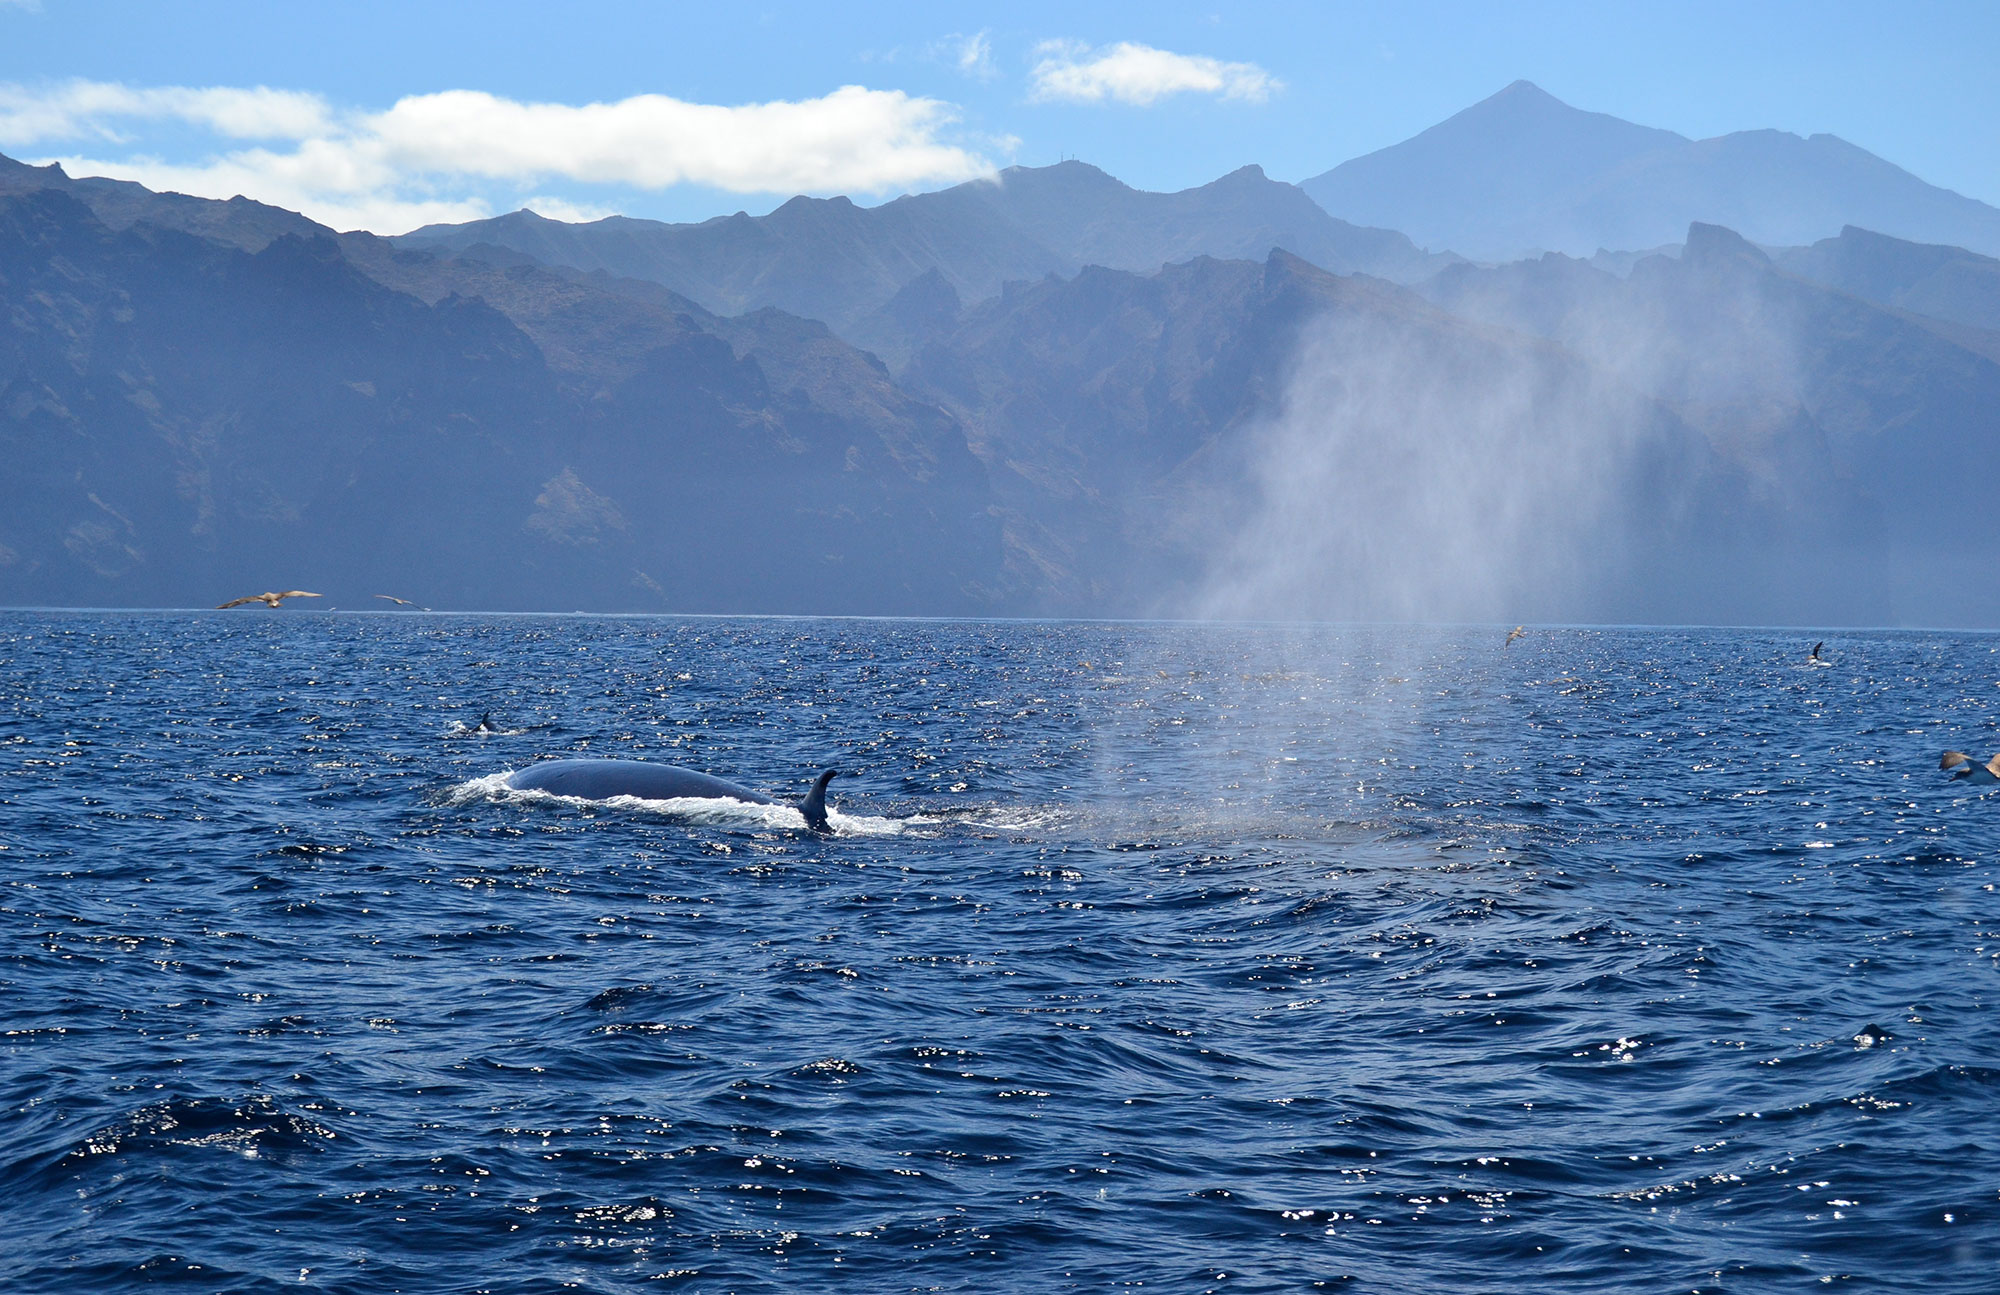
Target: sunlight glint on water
1387	957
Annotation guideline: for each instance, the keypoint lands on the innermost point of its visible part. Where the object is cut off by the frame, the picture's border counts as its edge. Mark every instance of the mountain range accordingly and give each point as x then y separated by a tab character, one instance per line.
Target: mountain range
1522	172
1867	434
180	416
829	259
1047	394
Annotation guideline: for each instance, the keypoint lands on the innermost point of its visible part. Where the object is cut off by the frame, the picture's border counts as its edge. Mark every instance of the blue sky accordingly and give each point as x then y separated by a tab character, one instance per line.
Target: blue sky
385	115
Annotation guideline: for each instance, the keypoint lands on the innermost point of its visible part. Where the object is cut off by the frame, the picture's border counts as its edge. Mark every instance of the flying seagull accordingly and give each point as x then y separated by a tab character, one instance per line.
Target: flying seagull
268	599
1518	632
401	602
1959	760
1814	654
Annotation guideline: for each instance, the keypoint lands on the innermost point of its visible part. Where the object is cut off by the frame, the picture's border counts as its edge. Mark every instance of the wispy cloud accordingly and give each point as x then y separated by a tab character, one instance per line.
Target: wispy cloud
324	184
971	55
95	109
1072	72
543	204
429	153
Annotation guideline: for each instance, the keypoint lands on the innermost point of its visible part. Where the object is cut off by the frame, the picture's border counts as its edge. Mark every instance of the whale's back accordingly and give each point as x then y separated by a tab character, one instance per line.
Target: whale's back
603	779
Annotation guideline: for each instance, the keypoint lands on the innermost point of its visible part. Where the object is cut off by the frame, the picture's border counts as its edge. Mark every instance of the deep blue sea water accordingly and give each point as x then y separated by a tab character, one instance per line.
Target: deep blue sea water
1191	958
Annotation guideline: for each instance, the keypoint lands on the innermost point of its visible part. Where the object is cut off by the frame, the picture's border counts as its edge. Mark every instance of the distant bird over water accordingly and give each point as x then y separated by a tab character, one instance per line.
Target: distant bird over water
1519	631
1814	654
268	599
1966	769
400	602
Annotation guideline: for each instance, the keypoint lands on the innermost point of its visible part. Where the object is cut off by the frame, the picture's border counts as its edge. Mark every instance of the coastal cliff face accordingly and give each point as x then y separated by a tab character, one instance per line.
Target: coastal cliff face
1053	395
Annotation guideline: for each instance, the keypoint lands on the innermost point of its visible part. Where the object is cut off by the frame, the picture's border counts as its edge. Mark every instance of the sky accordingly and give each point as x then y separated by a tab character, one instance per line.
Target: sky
386	116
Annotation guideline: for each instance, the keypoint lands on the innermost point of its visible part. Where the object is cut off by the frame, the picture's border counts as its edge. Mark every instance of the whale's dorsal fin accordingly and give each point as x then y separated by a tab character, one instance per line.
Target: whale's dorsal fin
814	805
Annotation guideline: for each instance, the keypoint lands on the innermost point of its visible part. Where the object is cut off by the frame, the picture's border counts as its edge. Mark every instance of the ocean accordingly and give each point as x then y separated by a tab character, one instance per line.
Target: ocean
1174	957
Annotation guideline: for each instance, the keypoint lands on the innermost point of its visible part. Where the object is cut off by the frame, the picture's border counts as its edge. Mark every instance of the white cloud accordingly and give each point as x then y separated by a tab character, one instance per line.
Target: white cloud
428	156
95	109
852	139
555	208
283	180
1139	74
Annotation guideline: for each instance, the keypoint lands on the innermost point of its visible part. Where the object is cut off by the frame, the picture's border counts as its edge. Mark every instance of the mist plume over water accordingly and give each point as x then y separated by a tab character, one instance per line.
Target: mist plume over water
1417	473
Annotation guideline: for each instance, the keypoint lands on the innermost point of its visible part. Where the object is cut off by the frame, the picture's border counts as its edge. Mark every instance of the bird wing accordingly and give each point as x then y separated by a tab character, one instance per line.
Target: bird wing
299	593
238	602
400	602
1953	759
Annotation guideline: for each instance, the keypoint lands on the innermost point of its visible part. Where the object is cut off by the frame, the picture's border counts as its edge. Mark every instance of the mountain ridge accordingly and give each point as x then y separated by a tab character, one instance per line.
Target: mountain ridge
1521	172
830	259
193	392
179	415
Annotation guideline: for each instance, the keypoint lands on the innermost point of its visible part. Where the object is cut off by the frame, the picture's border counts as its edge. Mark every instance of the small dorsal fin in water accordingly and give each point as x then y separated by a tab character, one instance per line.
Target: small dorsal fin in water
814	805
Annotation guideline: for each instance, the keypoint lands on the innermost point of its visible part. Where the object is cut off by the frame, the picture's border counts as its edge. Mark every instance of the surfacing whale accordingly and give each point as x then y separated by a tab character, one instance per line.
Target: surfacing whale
603	779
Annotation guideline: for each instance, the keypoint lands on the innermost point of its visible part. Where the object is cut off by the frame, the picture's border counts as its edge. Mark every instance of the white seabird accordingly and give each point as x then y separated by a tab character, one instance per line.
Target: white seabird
267	598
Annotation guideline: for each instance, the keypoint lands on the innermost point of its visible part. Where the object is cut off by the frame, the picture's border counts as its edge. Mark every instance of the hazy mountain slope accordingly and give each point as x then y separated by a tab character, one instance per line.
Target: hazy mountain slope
1947	283
1709	438
924	308
831	260
1149	437
1873	437
180	417
1521	172
121	203
1472	181
176	425
597	332
1089	218
822	259
1776	188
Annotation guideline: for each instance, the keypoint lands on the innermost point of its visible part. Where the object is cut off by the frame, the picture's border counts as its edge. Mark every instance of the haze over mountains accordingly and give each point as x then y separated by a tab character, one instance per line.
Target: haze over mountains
1044	394
1522	172
182	415
829	259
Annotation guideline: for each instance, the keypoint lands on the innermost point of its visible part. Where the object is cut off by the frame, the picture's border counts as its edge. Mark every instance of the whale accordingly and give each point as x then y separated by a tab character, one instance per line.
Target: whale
603	779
